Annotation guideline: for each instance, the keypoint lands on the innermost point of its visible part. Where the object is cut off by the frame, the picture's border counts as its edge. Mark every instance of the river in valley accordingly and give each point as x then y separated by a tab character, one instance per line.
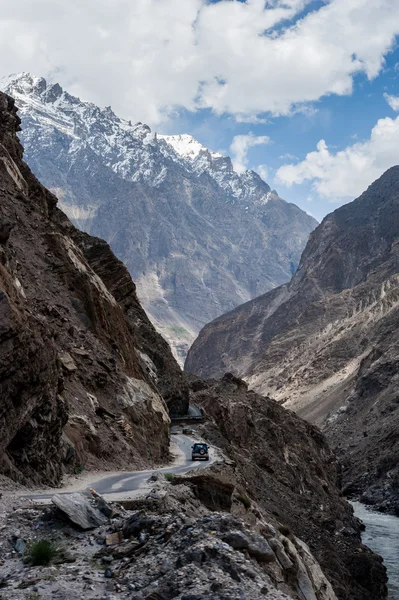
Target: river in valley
382	536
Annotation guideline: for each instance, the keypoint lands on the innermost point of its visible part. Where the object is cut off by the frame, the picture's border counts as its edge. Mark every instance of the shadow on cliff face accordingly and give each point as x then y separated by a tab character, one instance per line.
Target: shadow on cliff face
85	378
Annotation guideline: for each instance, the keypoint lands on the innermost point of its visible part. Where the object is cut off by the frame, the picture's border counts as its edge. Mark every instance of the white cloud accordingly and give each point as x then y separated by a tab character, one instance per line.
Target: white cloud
240	146
253	119
347	173
393	101
263	171
148	58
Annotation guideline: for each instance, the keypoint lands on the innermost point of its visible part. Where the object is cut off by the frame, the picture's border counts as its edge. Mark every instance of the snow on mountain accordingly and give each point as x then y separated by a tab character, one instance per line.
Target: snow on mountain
187	146
197	237
133	151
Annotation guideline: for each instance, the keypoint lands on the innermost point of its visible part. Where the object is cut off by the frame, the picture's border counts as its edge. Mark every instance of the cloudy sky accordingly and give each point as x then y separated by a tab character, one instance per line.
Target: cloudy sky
304	91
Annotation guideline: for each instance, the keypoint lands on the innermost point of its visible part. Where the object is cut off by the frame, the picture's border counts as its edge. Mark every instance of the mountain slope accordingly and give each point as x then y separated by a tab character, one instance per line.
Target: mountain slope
82	369
197	238
326	343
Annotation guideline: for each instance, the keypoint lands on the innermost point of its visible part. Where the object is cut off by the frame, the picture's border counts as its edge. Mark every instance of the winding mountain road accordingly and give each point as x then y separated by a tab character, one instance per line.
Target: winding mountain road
128	482
120	484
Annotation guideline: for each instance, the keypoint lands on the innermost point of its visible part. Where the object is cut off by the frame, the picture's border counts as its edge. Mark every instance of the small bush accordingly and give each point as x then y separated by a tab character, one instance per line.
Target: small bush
169	476
41	552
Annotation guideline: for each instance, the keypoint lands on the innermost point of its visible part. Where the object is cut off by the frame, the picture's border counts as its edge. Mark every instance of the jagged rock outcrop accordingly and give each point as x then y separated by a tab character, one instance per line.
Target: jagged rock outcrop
82	370
284	465
326	343
197	237
174	547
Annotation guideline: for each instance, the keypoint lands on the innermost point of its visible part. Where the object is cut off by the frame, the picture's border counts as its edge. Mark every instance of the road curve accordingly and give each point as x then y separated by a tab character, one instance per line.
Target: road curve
124	482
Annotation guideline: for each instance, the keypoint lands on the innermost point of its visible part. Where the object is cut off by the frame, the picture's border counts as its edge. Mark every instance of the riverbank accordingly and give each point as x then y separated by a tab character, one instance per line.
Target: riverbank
382	536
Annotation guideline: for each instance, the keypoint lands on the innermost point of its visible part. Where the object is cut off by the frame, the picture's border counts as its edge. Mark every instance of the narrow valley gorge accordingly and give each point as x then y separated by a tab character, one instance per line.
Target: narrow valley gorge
86	382
197	237
199	300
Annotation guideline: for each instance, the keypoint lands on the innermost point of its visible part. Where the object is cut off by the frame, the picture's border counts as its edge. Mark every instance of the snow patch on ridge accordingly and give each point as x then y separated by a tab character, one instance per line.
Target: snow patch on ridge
187	146
134	152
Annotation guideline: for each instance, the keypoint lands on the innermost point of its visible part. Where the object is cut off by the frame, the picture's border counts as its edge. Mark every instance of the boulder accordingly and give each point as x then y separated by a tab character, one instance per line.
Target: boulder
281	554
79	510
139	522
260	549
20	546
237	540
67	362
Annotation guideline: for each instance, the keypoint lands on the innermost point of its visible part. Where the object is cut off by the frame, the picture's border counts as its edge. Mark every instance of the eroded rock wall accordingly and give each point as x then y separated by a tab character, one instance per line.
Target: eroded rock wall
325	344
284	464
77	387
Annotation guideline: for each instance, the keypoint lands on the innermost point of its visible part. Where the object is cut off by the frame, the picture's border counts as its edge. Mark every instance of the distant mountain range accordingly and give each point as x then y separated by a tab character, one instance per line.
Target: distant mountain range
197	237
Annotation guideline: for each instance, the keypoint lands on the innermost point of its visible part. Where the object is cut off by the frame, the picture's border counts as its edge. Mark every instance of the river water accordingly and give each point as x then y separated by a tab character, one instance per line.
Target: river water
382	536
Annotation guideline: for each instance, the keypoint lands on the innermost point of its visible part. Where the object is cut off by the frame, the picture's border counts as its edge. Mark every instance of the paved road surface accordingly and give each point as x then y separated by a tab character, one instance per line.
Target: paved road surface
128	482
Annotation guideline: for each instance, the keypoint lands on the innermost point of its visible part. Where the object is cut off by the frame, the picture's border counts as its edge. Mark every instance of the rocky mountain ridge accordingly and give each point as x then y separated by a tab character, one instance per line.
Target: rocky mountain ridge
325	344
197	237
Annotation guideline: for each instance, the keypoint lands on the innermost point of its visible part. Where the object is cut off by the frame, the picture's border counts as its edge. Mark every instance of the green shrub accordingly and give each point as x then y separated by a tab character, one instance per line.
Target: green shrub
41	552
169	476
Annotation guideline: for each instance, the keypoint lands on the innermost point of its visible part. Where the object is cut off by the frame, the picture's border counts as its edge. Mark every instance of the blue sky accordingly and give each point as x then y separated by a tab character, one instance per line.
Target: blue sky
340	120
292	88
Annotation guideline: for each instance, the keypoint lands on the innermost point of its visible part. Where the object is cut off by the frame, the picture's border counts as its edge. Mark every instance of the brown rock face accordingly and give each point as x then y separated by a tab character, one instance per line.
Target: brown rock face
162	367
285	466
81	367
326	343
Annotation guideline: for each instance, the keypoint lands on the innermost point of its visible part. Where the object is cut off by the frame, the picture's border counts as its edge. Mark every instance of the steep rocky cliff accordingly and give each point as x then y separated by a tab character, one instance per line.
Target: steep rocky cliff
326	343
284	465
82	370
197	237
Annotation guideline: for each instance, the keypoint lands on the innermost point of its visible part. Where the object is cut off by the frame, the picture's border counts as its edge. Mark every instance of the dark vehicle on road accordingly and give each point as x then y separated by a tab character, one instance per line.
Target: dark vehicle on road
200	451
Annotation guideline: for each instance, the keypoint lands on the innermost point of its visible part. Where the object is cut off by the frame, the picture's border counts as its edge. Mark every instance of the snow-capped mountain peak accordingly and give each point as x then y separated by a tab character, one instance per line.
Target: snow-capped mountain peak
187	146
132	151
198	237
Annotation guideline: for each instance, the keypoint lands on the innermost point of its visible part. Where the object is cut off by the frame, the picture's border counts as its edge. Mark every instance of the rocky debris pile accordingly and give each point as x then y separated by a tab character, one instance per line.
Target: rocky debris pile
164	548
